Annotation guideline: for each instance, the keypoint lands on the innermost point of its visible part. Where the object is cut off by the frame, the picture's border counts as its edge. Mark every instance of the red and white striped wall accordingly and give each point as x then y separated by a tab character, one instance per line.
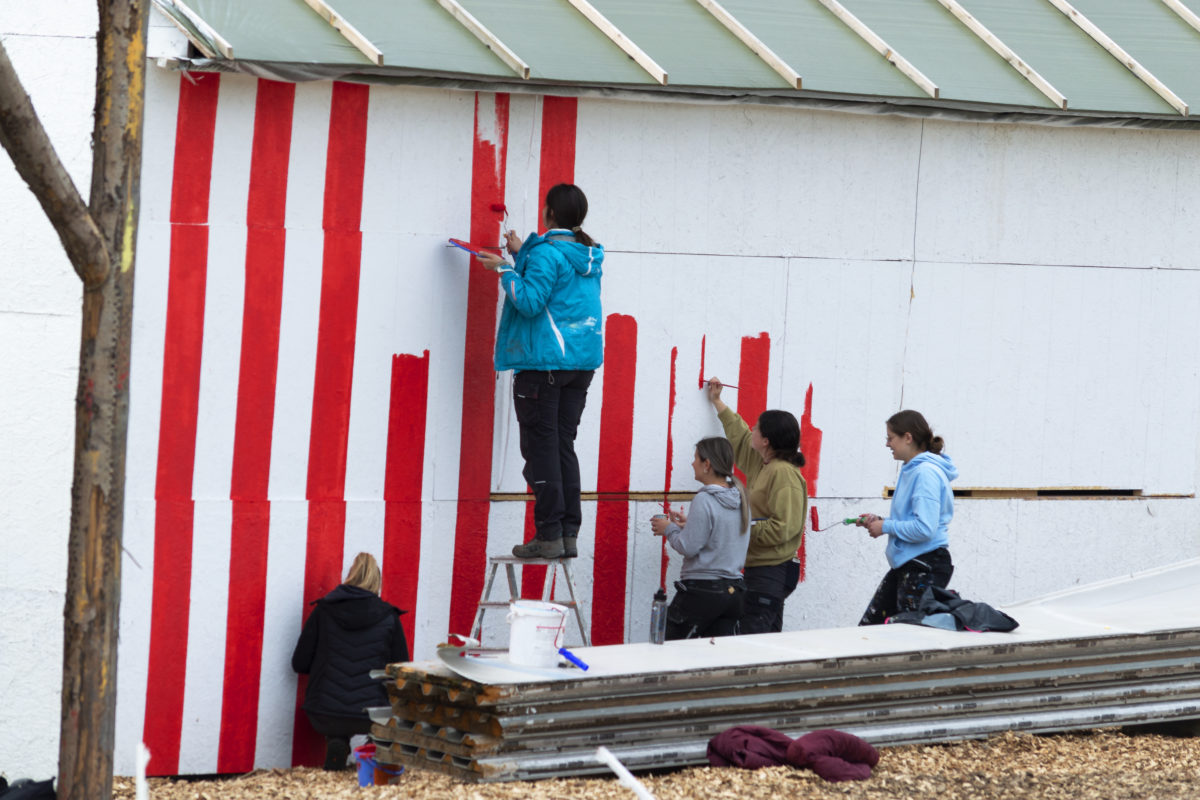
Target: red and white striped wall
312	365
313	377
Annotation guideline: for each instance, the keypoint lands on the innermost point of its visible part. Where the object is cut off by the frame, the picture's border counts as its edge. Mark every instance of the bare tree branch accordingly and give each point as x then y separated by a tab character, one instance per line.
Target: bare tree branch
22	135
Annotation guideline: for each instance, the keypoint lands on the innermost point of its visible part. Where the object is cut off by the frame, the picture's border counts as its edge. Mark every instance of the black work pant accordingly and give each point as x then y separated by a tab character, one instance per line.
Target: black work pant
702	608
766	589
902	587
549	406
333	727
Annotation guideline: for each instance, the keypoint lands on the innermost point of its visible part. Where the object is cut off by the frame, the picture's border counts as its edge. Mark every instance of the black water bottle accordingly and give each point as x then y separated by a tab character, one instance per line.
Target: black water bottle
658	617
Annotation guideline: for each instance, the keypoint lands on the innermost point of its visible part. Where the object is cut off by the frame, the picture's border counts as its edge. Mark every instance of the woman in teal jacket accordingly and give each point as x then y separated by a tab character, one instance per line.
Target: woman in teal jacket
551	336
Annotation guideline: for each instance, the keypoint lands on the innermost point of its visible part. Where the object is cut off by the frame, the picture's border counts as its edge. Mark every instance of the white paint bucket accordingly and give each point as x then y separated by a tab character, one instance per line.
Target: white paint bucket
535	631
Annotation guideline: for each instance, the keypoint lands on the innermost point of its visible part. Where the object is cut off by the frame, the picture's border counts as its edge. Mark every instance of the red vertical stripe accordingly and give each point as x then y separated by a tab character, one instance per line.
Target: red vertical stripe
612	479
479	377
703	341
752	377
666	505
334	373
752	380
559	115
173	516
810	445
265	237
402	484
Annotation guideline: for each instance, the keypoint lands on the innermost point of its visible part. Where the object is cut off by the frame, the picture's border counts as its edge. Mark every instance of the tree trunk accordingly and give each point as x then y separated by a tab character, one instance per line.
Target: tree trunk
101	413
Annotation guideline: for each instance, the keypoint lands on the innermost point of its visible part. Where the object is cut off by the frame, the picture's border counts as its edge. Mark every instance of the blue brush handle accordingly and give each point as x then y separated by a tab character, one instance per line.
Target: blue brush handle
574	659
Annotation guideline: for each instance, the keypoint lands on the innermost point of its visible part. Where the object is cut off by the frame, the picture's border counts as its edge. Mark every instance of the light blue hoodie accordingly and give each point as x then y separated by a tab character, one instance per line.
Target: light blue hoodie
922	508
552	318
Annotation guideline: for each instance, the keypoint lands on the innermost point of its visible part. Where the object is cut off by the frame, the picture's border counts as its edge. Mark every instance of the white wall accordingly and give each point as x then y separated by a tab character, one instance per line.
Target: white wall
55	55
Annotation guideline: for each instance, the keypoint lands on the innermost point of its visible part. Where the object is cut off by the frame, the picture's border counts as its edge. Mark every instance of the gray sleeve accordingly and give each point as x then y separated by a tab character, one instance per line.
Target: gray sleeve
691	539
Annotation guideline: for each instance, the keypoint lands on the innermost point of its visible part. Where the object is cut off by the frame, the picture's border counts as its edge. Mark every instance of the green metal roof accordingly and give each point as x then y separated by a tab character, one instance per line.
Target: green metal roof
840	48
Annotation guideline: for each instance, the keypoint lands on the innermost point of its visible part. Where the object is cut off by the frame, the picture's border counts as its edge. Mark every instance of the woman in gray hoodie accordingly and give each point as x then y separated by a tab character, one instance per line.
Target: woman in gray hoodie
710	591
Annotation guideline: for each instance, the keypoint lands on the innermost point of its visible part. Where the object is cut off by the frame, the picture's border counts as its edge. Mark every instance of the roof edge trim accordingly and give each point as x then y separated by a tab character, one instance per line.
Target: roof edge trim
955	110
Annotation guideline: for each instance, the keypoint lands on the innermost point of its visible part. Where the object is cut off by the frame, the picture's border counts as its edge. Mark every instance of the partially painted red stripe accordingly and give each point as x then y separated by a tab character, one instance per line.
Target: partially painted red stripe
810	445
173	516
752	380
265	239
479	377
559	117
612	479
334	372
703	341
670	457
752	377
403	479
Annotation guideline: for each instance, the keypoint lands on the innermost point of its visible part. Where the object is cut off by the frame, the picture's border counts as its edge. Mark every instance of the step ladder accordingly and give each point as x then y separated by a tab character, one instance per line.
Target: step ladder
514	593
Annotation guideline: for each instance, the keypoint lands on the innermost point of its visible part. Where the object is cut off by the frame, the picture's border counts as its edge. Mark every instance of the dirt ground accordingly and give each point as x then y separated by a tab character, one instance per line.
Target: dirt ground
1105	765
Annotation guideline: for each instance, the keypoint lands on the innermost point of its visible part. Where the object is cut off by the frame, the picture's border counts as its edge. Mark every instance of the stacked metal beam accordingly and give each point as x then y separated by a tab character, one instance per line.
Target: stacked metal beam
890	685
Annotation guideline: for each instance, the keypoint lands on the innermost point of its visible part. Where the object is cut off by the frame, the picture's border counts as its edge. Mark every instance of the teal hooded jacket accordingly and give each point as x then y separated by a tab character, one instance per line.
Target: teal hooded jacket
552	318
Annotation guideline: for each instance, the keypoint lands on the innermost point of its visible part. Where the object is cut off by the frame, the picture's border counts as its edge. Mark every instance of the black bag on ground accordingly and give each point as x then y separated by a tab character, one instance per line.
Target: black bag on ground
939	605
29	790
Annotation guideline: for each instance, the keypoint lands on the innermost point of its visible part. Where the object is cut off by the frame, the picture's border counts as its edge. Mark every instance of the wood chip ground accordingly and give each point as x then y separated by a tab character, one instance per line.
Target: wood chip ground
1105	765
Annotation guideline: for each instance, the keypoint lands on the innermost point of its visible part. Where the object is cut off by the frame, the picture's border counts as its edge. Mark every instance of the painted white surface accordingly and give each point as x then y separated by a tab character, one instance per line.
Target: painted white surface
1038	328
54	53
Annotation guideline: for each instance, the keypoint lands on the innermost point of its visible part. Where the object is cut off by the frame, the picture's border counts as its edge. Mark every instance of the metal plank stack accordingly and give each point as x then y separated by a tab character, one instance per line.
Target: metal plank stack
657	717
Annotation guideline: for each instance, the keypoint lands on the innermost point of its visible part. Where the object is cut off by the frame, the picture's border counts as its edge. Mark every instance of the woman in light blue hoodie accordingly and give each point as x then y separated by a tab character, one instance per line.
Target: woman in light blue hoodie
917	526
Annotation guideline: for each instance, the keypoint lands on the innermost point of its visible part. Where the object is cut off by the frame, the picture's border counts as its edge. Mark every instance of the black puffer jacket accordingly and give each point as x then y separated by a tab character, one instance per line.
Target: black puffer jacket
349	633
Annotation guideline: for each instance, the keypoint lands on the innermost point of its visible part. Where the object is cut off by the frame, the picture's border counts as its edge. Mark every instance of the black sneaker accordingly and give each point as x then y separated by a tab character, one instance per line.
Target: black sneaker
570	546
539	548
336	752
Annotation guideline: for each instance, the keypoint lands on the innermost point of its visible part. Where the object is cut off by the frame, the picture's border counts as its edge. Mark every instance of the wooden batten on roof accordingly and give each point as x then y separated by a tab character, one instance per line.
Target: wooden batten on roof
489	39
883	48
756	45
1116	51
208	34
1183	12
348	32
621	40
1004	51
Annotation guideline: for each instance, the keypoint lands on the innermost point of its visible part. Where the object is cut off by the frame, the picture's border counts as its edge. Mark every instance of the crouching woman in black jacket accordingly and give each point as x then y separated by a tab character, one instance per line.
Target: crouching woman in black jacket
349	633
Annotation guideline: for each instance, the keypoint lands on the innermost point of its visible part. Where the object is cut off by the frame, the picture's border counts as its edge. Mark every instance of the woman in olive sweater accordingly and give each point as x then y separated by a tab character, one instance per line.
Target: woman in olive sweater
769	456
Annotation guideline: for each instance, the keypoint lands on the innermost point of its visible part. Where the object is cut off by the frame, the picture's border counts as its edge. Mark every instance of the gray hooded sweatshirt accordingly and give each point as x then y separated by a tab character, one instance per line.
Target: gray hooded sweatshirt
713	542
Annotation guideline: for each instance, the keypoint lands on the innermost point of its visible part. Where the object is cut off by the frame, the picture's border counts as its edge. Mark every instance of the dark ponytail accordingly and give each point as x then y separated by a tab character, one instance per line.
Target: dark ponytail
913	422
782	433
568	205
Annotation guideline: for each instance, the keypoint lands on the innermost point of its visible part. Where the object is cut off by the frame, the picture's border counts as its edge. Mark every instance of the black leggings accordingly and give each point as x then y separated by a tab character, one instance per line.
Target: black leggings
902	587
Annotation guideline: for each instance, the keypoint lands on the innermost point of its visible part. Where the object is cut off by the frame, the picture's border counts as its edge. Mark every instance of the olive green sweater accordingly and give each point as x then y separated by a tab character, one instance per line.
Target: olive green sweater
778	498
